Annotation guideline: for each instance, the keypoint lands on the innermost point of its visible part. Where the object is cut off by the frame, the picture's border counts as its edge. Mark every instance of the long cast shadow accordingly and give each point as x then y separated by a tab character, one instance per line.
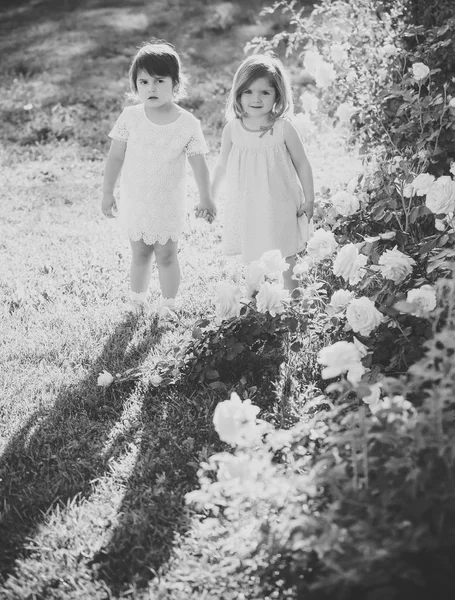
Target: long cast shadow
57	453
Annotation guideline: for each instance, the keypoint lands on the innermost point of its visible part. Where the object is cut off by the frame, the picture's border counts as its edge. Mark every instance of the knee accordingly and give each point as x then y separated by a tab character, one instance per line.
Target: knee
165	257
142	254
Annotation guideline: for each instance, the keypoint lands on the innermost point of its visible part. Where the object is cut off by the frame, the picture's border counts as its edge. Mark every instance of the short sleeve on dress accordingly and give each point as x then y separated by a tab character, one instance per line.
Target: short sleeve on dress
120	131
197	143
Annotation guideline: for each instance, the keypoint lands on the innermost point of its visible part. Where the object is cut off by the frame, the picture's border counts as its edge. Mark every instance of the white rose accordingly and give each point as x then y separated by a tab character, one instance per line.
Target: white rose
309	102
419	71
338	53
303	123
395	265
324	75
388	50
321	245
311	61
338	358
344	112
363	316
302	267
345	203
382	74
254	276
227	301
274	264
424	299
348	264
233	467
422	183
233	419
271	298
340	299
373	400
441	195
355	373
105	379
156	380
408	191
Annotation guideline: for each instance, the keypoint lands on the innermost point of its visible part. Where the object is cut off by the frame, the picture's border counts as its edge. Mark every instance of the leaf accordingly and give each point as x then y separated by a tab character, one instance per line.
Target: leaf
217	385
213	374
296	346
197	333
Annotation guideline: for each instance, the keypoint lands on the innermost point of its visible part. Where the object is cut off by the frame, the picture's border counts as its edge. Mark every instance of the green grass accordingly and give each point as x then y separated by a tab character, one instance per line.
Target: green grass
92	481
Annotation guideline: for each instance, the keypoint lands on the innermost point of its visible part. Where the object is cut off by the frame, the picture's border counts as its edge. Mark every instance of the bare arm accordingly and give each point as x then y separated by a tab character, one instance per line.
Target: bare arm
302	166
206	208
114	164
220	167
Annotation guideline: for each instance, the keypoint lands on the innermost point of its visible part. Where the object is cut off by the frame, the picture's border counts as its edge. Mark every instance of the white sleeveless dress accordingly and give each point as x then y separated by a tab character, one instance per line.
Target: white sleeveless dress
262	195
152	204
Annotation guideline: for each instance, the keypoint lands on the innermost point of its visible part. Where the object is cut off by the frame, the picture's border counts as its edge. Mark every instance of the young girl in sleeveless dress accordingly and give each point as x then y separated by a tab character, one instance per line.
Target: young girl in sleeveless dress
269	183
151	142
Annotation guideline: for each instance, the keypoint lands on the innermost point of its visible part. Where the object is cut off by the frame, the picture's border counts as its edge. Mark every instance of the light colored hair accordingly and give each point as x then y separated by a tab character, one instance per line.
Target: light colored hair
252	68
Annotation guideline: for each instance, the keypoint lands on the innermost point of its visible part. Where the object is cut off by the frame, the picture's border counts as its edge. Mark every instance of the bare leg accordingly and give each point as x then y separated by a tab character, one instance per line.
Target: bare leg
289	283
168	268
141	265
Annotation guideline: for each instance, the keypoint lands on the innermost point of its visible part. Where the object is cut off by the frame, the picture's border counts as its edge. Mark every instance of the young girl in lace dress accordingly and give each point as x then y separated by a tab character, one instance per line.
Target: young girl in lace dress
269	182
150	145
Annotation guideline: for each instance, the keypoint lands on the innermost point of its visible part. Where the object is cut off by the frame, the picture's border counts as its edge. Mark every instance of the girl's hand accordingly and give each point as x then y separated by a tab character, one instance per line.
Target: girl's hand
307	208
206	209
108	206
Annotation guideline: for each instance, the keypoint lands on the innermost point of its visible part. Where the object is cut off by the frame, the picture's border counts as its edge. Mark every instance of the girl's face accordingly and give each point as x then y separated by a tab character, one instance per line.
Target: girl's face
153	90
259	98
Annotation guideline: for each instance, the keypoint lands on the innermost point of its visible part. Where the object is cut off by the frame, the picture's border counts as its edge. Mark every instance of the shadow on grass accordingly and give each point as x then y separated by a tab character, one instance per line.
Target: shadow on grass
57	454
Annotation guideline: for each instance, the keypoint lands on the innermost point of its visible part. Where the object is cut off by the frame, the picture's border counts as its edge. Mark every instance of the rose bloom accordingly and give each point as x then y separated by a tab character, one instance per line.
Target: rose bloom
309	102
348	264
311	61
105	379
388	50
338	53
424	299
363	316
374	398
344	112
324	75
232	416
422	183
363	350
395	265
321	245
340	299
338	358
345	203
271	298
254	276
274	264
419	71
227	301
302	267
441	195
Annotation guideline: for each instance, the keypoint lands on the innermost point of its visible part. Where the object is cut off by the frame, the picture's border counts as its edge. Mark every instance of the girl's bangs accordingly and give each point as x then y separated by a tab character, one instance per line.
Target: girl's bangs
157	65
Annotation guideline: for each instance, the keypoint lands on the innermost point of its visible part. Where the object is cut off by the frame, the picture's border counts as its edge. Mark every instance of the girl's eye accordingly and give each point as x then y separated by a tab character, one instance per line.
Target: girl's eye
159	80
266	93
247	92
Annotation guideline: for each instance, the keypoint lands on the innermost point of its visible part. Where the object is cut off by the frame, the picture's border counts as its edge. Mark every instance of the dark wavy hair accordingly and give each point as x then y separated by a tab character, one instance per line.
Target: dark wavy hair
158	58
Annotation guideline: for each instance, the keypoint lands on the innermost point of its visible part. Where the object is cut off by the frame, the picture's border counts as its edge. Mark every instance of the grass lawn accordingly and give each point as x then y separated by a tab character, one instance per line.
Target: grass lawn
92	482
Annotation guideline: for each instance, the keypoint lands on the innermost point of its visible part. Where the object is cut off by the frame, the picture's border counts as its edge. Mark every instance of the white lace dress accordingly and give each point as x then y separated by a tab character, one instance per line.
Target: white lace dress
262	196
152	203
